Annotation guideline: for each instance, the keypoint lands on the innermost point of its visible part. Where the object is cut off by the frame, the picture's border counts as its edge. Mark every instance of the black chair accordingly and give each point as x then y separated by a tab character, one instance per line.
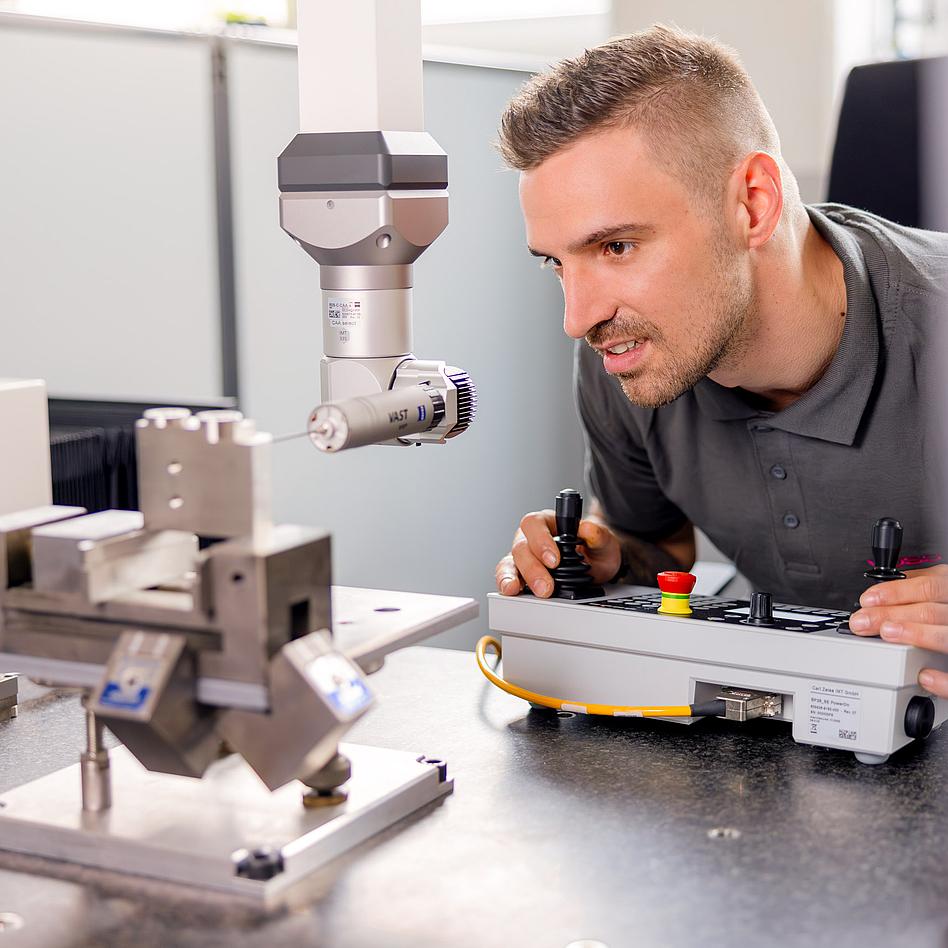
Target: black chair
886	141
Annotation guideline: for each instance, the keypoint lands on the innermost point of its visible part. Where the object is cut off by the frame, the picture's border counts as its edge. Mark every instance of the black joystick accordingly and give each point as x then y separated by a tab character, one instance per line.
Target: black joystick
886	547
571	579
761	609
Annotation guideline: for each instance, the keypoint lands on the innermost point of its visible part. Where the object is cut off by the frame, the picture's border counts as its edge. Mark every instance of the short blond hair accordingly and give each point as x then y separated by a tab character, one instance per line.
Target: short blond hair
689	95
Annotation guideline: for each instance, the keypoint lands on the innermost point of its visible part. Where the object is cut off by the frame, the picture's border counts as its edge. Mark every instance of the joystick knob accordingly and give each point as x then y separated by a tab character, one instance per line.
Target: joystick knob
569	511
886	547
761	609
571	579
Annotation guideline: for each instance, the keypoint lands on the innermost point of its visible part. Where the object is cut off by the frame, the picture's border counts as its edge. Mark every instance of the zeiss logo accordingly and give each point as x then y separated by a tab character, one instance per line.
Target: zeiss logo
422	413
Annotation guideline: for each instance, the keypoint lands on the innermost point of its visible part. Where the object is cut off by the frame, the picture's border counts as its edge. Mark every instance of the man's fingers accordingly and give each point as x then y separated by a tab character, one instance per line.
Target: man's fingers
923	585
508	579
935	682
534	573
870	621
933	637
595	536
601	548
537	528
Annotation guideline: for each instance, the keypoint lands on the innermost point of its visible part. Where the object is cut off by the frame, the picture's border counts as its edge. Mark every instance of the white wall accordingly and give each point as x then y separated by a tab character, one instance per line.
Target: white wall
534	42
788	50
108	241
436	518
797	54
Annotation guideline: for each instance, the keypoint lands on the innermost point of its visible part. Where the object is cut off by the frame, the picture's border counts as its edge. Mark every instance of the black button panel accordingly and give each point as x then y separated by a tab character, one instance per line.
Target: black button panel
719	609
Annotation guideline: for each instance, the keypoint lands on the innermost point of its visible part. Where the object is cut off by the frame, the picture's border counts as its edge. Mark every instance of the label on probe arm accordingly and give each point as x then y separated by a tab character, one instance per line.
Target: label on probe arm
344	317
834	712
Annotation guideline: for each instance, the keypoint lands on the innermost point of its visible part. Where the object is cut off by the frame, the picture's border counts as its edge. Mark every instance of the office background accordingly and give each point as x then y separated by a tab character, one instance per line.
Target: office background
141	260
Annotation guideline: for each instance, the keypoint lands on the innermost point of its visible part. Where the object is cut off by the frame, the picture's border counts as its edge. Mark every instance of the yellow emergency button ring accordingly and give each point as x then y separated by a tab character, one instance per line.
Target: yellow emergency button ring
676	592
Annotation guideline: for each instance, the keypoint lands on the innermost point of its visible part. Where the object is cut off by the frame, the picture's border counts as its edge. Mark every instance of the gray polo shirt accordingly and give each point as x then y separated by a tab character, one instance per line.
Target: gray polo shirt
791	496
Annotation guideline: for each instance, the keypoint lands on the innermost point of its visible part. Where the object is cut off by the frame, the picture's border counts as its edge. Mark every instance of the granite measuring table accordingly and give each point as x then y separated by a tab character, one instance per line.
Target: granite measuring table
627	832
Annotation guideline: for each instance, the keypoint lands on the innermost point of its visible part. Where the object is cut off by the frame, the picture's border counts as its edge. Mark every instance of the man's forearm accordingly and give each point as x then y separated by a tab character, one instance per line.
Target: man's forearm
643	561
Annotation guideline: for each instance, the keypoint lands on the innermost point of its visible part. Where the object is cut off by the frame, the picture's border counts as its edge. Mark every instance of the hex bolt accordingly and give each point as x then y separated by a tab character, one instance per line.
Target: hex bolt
258	864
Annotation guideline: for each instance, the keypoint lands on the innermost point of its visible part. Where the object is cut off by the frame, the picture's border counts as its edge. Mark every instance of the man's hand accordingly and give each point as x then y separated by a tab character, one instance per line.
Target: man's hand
913	611
533	553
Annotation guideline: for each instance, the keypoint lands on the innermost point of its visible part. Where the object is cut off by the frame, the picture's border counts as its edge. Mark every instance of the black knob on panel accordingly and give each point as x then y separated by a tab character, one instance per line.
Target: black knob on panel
886	549
761	609
919	717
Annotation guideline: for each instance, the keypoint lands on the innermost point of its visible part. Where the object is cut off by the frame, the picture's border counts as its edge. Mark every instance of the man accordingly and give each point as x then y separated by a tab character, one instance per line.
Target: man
753	366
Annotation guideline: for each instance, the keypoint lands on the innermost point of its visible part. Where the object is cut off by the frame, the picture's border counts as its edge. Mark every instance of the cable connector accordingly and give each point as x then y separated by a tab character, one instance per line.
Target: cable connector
742	705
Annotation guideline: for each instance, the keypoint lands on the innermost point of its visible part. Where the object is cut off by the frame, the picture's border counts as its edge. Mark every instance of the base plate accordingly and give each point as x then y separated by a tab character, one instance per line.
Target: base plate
183	830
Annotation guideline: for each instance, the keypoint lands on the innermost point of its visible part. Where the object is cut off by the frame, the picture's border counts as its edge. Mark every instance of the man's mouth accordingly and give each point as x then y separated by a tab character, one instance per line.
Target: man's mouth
625	356
624	347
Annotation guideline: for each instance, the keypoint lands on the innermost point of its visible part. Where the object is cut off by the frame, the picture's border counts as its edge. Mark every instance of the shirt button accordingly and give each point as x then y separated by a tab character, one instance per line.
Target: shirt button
791	521
778	472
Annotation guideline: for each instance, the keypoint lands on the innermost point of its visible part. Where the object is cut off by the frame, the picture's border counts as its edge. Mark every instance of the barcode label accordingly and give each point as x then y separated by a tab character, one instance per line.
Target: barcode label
345	316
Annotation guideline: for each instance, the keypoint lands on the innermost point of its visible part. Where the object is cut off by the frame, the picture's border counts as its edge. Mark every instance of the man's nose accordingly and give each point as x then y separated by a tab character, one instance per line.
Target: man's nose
585	304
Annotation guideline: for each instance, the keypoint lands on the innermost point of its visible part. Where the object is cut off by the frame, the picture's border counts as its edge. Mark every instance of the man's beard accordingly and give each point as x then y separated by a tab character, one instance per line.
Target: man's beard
727	319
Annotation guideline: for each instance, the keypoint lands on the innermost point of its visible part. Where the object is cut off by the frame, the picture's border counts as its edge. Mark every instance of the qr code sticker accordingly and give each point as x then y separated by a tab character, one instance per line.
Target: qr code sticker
847	735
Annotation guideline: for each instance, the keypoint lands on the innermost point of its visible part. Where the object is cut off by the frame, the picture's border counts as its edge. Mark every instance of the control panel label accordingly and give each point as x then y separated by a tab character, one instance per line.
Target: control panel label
344	316
835	712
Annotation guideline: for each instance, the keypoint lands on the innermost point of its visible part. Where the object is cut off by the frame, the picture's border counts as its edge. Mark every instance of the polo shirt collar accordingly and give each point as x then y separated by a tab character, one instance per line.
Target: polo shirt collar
833	409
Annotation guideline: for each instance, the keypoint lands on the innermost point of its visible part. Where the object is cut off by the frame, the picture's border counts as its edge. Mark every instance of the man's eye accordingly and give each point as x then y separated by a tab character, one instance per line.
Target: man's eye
549	263
620	248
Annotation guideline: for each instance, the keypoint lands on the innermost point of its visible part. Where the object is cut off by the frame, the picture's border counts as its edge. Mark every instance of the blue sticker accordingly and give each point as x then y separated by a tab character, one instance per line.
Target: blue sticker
349	696
115	696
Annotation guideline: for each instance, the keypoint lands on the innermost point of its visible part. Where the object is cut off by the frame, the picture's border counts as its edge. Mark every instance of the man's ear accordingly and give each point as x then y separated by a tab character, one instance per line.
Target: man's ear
757	192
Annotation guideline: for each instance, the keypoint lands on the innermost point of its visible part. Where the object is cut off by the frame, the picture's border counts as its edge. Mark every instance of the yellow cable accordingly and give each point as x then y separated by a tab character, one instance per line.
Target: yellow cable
559	704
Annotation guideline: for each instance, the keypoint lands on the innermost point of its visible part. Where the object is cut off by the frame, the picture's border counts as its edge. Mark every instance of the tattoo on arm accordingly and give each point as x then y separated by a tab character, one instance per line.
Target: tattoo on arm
641	561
